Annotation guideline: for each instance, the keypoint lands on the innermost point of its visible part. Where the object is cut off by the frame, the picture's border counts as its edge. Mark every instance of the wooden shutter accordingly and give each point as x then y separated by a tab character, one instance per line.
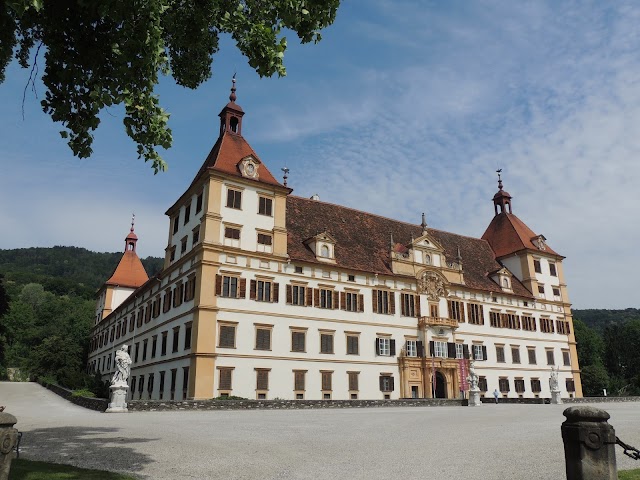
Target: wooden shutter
227	336
225	379
432	348
420	348
484	352
252	290
381	380
451	347
392	303
374	303
449	308
391	384
462	313
343	300
298	341
243	288
377	347
276	293
403	311
218	285
299	380
418	310
309	293
392	344
316	297
361	303
289	294
353	381
465	351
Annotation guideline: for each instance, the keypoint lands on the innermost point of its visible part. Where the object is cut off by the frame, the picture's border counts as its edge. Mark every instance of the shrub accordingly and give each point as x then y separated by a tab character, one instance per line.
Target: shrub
230	397
83	392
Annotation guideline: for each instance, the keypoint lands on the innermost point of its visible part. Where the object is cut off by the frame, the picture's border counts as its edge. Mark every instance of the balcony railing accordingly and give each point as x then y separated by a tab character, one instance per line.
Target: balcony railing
438	322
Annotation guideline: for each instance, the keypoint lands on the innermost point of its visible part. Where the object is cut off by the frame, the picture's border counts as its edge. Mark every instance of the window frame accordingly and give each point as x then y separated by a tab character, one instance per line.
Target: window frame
234	198
268	201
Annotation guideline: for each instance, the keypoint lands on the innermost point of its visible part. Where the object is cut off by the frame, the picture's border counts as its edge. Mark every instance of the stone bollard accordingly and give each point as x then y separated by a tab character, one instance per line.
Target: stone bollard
8	441
589	444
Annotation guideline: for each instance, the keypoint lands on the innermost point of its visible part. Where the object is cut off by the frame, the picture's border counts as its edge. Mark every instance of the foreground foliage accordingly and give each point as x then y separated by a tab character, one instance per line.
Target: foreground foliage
30	470
629	474
102	53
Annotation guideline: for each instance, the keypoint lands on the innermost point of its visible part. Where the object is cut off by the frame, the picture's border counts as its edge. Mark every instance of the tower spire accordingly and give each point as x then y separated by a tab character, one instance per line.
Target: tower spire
502	199
232	95
131	239
424	223
231	114
499	171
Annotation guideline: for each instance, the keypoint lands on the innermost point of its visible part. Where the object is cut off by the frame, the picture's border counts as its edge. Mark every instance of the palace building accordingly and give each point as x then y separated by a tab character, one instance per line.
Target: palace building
265	294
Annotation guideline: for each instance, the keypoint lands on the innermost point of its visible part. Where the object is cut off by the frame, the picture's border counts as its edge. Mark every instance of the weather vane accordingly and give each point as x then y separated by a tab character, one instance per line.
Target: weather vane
286	174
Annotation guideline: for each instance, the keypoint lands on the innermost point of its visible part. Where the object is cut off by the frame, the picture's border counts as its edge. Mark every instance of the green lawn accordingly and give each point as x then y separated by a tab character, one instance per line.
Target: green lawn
629	474
29	470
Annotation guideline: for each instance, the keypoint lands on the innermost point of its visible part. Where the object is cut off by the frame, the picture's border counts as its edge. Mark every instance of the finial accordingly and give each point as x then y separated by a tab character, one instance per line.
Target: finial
424	222
133	221
459	256
233	97
286	174
499	171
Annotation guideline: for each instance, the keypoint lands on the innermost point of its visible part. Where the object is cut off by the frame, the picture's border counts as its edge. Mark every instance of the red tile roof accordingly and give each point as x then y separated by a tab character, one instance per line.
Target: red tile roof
363	242
507	234
129	273
230	149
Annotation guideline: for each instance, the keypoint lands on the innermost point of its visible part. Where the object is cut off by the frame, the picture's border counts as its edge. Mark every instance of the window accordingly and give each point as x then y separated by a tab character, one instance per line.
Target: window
550	358
324	251
408	305
176	337
386	383
412	348
353	345
135	357
456	310
556	292
298	380
440	349
515	355
195	238
232	236
383	302
562	327
500	354
163	343
353	381
566	359
263	338
482	384
262	379
383	346
174	374
546	325
265	206
536	266
351	302
434	311
178	294
298	269
227	337
459	351
234	199
185	381
532	355
324	298
176	224
475	314
172	254
161	387
503	385
298	341
571	385
183	245
528	323
224	378
199	203
187	336
518	385
351	278
326	343
494	319
150	384
479	352
552	269
190	288
154	344
187	214
541	290
265	243
140	385
510	320
296	295
262	290
326	381
535	385
227	286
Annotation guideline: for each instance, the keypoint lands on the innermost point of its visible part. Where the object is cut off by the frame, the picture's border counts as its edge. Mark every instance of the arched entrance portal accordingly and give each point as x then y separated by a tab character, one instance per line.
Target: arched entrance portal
441	386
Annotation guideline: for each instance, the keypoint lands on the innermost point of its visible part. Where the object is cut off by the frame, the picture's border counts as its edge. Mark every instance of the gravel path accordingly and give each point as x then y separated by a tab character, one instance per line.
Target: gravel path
489	442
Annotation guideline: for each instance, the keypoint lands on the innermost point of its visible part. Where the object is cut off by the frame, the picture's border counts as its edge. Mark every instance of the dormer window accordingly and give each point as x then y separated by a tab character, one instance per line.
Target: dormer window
324	251
505	283
323	247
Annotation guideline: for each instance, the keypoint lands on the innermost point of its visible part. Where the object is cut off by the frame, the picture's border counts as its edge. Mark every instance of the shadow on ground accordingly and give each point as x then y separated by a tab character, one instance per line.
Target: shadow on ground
87	447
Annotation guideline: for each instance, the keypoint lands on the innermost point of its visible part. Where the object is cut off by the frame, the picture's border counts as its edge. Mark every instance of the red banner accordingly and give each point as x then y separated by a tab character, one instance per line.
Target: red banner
463	369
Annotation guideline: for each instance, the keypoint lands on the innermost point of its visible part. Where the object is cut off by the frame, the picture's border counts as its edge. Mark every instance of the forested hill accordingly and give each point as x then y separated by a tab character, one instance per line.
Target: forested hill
599	319
63	270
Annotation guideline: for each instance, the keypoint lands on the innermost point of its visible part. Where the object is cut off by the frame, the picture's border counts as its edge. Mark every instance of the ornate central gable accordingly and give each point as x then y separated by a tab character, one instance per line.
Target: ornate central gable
433	284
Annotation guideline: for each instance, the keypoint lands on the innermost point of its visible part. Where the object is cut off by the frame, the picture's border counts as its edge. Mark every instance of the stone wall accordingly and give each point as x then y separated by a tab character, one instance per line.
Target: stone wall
99	404
600	399
516	400
159	405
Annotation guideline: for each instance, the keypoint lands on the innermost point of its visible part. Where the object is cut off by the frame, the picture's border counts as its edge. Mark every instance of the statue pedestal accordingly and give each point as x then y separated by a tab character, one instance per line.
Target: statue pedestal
8	441
118	398
474	398
555	397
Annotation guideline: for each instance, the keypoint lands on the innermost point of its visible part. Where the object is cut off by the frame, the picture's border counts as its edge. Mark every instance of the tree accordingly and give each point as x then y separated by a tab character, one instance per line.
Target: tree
101	53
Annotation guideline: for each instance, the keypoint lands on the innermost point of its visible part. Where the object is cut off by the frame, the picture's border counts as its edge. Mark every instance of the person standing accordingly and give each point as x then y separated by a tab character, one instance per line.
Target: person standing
496	394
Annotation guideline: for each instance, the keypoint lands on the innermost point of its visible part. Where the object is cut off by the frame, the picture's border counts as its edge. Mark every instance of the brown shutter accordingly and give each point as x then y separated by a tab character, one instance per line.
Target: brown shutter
451	349
361	303
392	303
392	384
420	348
462	313
374	302
343	300
218	284
484	352
381	383
316	297
432	348
252	290
418	310
449	308
334	299
402	307
392	345
276	293
377	347
465	351
289	294
243	288
309	294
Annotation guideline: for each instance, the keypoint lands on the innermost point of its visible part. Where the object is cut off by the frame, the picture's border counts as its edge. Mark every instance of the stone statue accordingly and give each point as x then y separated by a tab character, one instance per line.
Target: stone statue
123	366
553	380
472	378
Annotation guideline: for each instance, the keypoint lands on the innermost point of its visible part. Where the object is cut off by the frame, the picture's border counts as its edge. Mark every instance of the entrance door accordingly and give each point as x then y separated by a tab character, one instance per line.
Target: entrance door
414	391
441	386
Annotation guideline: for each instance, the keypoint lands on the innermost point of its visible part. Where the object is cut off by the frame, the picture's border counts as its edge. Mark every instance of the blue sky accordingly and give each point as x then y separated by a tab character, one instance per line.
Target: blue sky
403	107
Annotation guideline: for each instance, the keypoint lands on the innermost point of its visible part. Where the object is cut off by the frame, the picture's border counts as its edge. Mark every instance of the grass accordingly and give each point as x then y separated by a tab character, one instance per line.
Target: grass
629	474
29	470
